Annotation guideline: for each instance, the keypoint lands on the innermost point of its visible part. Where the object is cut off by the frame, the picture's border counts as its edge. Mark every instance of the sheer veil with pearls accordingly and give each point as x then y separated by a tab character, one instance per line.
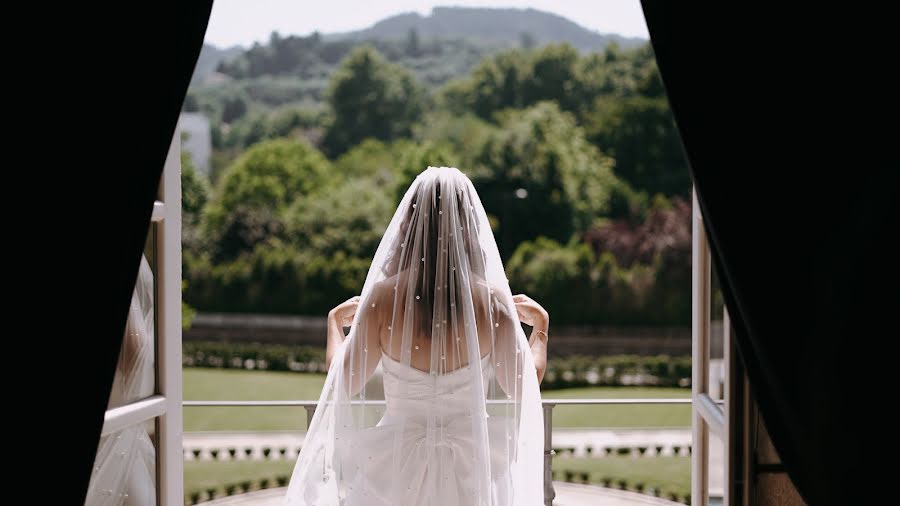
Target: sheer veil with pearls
124	472
433	397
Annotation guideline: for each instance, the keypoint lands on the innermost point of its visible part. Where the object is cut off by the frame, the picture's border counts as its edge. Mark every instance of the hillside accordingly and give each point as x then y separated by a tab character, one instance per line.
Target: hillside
503	26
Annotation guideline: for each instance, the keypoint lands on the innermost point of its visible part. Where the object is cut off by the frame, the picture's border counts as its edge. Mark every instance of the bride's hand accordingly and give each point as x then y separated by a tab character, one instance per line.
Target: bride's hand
531	313
343	313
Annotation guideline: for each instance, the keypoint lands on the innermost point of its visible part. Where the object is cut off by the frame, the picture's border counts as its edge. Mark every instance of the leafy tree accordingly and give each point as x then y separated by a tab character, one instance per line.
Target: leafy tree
413	45
194	197
537	175
527	40
370	97
348	218
516	78
233	109
416	158
194	191
257	189
553	77
243	229
190	103
557	273
496	83
640	133
372	159
272	174
462	134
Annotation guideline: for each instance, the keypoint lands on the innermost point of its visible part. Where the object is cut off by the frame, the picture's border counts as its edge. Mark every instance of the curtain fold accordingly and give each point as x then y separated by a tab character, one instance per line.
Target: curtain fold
127	70
798	188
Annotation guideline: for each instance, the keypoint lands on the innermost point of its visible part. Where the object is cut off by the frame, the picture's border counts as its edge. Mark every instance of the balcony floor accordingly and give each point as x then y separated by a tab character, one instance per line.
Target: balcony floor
567	494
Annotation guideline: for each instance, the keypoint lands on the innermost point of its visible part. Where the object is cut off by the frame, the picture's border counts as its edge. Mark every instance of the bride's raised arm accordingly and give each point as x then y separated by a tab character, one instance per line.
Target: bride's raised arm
362	349
508	350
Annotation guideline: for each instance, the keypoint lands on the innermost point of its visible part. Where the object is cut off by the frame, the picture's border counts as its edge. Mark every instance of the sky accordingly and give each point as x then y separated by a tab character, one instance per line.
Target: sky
242	22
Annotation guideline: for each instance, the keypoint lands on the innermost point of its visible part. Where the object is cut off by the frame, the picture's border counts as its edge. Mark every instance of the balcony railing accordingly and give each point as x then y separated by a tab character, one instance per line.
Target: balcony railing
549	404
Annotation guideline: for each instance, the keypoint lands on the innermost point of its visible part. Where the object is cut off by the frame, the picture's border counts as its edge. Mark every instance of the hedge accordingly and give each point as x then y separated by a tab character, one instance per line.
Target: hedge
562	372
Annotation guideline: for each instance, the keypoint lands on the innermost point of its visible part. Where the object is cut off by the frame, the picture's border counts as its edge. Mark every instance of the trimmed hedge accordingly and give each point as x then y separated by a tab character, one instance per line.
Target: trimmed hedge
229	489
562	372
623	484
617	370
269	357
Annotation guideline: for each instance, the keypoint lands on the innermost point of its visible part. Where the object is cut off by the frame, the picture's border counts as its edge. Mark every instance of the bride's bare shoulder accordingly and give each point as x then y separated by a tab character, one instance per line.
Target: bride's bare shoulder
383	290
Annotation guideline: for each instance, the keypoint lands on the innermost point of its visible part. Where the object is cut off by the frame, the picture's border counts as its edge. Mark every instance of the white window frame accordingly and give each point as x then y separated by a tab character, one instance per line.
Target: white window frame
706	416
166	405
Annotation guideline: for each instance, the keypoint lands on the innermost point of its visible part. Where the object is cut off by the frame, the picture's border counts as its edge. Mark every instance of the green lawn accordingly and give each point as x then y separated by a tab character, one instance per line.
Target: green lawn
668	474
235	385
620	416
228	384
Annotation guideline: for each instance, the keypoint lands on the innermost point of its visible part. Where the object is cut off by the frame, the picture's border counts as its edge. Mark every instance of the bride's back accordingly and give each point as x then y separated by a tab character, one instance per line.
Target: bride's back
395	319
442	431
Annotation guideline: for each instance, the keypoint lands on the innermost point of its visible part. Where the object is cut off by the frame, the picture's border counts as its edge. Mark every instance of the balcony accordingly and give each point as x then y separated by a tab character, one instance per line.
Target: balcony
560	488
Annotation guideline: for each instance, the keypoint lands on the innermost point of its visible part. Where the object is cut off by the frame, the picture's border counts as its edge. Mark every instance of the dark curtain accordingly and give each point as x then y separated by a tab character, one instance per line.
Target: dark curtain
782	119
118	78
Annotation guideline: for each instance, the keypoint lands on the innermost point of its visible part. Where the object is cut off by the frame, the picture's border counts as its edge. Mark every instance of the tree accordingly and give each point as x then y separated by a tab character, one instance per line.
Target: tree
537	175
348	218
417	157
640	133
527	40
194	191
243	229
413	45
233	109
257	189
370	159
194	196
370	97
553	77
190	103
497	83
558	274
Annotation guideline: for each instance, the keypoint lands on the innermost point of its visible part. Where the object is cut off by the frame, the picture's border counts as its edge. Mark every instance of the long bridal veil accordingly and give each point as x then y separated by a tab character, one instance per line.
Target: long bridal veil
125	466
454	417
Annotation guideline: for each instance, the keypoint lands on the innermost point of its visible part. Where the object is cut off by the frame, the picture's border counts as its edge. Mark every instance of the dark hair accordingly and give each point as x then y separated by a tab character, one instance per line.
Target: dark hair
434	268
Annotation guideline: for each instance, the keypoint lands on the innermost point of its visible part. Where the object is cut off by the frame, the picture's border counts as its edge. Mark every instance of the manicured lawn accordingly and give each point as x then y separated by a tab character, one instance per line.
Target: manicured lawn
236	385
229	384
668	474
620	416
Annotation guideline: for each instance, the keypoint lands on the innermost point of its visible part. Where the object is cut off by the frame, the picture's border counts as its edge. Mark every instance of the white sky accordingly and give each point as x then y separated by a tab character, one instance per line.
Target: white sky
245	21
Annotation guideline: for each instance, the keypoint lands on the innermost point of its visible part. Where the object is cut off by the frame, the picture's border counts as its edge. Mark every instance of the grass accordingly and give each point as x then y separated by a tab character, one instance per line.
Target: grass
620	416
229	384
236	385
668	474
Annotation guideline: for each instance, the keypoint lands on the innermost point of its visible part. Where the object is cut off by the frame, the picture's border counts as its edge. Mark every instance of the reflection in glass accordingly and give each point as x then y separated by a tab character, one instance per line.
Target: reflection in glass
124	471
135	377
717	458
716	386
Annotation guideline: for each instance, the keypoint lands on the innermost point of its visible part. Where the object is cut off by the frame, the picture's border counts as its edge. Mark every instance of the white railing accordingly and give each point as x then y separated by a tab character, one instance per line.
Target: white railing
549	404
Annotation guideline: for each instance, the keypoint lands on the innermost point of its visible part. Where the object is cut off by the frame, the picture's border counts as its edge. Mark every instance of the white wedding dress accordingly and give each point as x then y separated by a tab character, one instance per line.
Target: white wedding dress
454	418
438	458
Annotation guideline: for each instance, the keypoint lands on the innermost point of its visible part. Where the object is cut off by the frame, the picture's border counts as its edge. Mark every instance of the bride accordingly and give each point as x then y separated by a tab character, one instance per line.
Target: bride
454	418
